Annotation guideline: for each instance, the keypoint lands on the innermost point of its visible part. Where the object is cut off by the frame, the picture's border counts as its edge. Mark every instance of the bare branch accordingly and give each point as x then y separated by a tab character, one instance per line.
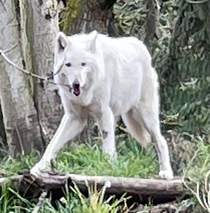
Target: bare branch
19	68
46	79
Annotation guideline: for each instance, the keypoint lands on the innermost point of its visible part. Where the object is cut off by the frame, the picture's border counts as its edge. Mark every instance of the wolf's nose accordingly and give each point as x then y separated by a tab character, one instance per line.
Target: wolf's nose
76	84
76	88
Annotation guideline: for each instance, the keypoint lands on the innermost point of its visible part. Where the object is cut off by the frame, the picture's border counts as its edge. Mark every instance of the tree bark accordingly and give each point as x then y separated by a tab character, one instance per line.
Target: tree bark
19	114
120	185
86	16
150	26
45	28
3	141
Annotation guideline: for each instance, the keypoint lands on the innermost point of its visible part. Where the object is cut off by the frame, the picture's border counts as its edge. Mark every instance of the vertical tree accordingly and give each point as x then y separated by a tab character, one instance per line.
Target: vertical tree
44	27
86	16
19	114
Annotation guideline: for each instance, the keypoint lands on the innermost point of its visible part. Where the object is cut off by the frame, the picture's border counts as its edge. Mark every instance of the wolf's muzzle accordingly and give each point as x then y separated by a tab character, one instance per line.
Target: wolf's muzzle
76	88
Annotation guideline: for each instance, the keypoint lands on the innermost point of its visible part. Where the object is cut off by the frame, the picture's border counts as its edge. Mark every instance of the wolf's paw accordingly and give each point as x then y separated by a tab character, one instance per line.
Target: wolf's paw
35	171
109	152
111	156
166	174
39	169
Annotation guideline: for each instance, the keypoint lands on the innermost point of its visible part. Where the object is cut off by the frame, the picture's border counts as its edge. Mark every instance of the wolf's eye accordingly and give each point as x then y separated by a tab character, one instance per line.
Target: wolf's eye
68	64
83	64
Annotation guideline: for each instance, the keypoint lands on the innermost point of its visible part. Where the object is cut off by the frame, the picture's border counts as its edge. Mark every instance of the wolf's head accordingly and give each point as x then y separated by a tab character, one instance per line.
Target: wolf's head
75	56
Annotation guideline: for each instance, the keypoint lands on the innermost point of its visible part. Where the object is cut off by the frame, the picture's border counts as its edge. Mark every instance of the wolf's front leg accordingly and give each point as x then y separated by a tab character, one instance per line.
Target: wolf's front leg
107	128
69	127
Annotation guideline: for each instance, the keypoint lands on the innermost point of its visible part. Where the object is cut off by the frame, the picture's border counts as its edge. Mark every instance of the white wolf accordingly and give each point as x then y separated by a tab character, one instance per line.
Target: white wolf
107	78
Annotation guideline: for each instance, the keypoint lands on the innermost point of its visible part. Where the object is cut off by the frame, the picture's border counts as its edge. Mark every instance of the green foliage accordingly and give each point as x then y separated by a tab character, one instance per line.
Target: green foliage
181	55
74	201
197	176
12	202
131	16
10	166
199	165
188	69
70	13
96	201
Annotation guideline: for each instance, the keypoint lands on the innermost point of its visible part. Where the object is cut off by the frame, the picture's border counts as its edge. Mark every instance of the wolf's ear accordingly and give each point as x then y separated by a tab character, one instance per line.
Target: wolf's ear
61	42
93	37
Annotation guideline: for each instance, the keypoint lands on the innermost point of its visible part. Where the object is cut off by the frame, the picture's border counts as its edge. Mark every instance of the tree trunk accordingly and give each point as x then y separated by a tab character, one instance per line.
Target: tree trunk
86	16
150	26
45	28
19	114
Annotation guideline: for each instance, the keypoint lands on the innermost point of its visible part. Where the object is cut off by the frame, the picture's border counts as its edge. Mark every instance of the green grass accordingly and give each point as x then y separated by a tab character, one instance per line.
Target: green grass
10	166
96	202
132	161
75	202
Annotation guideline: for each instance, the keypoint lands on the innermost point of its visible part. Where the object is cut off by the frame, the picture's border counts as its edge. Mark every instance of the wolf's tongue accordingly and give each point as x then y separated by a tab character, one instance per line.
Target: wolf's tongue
76	90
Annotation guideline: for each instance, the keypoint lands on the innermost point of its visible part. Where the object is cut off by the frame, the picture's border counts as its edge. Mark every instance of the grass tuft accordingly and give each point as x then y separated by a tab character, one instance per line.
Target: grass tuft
131	161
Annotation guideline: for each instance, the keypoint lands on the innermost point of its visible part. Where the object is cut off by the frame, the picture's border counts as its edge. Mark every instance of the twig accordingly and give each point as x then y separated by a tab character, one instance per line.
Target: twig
40	203
11	48
19	68
46	79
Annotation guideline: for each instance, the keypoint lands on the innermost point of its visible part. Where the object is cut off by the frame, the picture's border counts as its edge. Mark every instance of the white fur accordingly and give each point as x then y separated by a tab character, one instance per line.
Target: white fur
117	80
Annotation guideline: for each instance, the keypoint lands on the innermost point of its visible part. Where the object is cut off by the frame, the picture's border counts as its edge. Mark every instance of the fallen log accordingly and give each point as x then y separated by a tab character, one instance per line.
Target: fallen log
120	185
140	189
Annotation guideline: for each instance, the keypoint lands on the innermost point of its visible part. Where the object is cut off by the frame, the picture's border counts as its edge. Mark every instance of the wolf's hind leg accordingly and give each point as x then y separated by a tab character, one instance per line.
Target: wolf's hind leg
148	113
151	122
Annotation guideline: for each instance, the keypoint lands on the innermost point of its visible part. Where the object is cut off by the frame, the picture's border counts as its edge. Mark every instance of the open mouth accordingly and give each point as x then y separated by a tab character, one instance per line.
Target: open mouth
76	89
